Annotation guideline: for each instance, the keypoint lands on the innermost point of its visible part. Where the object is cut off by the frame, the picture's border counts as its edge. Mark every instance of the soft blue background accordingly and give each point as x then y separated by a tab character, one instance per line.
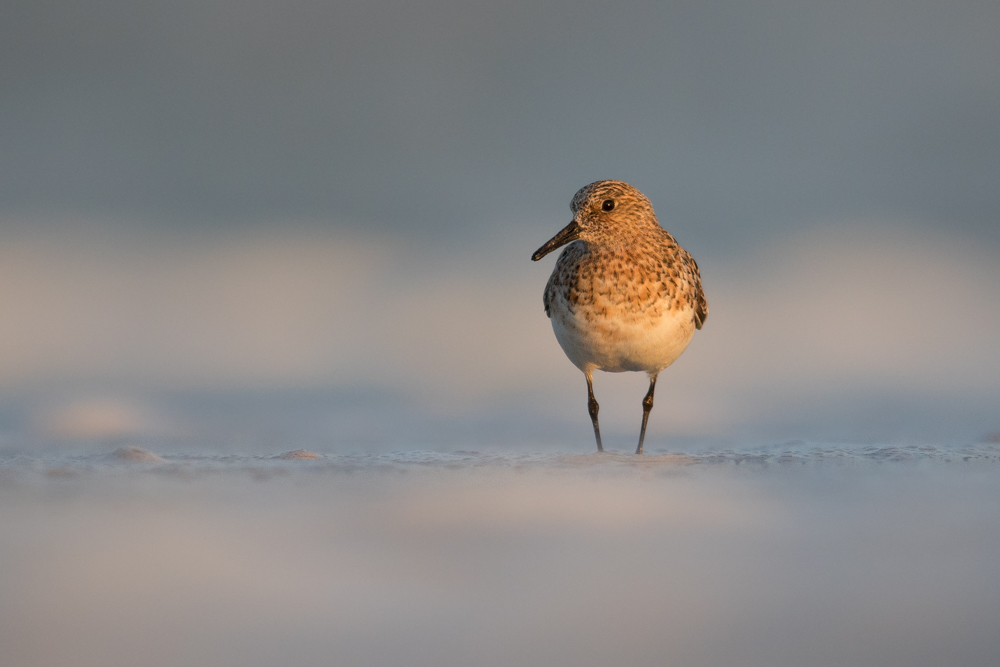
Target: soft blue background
258	224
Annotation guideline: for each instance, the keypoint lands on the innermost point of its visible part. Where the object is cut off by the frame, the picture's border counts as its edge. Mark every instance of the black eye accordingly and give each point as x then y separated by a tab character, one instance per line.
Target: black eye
608	204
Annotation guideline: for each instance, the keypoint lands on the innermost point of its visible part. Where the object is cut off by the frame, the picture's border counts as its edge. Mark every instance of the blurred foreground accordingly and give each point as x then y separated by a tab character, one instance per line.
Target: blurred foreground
790	556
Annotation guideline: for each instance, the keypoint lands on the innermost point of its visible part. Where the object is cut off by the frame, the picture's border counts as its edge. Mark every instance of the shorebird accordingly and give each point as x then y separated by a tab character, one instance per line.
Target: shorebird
624	296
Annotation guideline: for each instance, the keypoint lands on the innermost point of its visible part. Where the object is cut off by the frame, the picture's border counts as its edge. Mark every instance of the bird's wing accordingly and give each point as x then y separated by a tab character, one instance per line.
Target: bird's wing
701	303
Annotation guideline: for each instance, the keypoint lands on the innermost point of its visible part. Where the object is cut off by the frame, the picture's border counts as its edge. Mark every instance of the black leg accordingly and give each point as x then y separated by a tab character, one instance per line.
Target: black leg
647	405
593	407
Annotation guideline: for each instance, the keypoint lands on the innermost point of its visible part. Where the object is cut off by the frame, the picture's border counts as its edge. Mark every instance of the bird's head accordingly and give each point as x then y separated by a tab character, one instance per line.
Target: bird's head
604	212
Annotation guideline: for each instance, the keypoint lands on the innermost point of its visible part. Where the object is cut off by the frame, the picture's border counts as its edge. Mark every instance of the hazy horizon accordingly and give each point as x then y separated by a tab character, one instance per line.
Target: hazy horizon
225	218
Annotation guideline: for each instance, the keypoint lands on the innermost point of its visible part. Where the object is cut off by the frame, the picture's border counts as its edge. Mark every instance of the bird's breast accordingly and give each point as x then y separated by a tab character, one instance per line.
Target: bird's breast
623	313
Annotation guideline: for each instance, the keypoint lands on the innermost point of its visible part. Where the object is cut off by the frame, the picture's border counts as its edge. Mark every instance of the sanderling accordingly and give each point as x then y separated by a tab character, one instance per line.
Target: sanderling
624	296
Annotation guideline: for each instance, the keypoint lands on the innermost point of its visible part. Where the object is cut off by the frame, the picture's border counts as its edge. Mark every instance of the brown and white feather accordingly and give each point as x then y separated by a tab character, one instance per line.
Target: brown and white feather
625	296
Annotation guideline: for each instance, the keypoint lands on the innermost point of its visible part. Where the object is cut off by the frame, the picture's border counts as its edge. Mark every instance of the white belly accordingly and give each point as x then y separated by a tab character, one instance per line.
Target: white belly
612	345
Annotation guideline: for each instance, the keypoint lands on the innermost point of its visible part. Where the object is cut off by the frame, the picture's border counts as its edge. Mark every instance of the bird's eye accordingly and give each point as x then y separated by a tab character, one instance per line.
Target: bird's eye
608	204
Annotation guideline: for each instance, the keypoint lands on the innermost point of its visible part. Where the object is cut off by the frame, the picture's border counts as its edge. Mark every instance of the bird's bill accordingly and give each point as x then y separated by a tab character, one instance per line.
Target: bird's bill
570	232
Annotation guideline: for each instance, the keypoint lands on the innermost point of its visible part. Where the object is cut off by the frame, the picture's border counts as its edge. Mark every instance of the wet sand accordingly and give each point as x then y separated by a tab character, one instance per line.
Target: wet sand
877	556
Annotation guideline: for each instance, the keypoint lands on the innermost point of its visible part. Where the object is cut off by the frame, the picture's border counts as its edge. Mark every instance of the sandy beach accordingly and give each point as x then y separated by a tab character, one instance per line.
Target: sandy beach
796	557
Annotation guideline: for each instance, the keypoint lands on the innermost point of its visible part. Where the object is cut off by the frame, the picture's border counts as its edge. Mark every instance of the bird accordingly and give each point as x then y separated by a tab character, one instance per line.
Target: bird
624	295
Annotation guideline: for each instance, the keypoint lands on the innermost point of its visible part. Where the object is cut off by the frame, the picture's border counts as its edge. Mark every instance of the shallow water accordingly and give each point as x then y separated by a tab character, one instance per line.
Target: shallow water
790	555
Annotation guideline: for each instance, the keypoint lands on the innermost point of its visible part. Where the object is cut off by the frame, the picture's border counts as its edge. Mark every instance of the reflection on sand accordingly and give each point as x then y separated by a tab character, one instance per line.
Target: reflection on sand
869	557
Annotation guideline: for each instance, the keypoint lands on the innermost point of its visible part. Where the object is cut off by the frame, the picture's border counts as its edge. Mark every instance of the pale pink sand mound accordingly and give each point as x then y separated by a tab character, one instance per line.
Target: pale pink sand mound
297	454
135	455
646	460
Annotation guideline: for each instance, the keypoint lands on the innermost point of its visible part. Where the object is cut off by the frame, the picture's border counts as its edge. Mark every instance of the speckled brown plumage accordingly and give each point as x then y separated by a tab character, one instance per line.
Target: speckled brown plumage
624	296
629	268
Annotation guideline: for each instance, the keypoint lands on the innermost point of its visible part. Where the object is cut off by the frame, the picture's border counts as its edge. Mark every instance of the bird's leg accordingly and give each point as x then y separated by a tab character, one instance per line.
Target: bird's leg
593	407
647	405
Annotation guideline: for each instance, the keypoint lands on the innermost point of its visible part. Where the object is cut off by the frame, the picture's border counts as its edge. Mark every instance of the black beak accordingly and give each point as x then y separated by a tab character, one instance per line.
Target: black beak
570	232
